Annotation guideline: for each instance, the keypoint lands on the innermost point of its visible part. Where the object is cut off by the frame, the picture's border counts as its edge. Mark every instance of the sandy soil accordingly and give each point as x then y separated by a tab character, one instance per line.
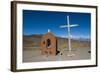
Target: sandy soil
35	55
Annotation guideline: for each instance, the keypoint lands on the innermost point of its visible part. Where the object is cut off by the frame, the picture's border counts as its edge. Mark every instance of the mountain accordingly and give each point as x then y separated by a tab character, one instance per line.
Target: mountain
33	41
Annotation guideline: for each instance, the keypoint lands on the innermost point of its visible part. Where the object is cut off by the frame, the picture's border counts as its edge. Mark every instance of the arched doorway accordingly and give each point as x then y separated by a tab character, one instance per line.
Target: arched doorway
48	44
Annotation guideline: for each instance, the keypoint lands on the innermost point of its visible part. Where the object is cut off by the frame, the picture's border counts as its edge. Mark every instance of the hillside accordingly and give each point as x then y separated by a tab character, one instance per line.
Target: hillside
33	42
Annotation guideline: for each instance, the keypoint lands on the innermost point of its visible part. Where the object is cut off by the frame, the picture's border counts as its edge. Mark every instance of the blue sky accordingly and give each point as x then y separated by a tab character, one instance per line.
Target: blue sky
38	22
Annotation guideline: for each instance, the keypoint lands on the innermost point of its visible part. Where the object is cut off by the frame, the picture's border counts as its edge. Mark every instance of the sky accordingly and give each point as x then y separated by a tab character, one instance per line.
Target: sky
38	22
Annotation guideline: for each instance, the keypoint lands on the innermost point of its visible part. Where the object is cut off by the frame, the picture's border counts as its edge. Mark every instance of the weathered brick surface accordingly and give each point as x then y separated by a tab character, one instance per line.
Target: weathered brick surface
49	44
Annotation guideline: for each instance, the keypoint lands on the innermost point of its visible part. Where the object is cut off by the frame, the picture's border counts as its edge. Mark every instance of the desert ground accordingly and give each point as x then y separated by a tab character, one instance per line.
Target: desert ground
32	53
35	55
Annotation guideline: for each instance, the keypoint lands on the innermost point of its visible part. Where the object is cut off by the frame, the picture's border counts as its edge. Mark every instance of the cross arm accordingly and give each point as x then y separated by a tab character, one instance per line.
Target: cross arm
64	26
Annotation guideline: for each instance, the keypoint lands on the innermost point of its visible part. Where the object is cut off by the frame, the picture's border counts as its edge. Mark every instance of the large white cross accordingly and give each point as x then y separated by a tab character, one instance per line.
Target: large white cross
69	34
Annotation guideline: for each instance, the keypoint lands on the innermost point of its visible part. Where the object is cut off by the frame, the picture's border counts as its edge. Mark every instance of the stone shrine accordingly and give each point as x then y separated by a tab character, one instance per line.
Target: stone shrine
48	44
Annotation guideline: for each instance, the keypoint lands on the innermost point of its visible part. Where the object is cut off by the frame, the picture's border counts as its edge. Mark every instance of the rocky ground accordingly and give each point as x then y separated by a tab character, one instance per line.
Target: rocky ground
35	55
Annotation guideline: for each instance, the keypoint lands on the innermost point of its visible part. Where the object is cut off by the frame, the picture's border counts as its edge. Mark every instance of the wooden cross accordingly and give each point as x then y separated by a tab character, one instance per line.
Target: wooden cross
69	34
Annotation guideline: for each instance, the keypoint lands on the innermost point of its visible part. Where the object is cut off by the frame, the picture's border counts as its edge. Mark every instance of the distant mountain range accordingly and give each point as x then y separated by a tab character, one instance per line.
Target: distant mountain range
35	39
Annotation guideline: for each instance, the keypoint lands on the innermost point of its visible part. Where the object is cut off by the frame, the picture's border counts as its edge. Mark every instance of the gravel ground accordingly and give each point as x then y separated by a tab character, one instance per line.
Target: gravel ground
35	55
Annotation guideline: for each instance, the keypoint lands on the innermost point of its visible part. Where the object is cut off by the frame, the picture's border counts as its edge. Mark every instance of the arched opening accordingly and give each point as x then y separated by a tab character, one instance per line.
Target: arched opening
48	44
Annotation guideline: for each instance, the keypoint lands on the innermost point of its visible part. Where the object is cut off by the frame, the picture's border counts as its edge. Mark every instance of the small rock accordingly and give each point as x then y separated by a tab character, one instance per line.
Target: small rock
89	51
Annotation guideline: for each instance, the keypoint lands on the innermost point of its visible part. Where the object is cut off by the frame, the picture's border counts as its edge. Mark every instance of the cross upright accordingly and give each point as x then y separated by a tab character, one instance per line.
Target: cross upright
69	34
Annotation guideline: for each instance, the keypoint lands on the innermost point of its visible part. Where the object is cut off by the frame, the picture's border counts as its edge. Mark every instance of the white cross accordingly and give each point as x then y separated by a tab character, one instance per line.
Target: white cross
48	30
69	34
